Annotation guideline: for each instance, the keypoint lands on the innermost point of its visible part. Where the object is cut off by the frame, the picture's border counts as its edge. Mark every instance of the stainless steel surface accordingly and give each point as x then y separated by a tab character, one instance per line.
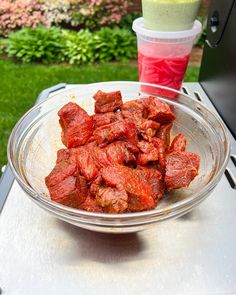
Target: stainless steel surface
194	254
6	181
3	168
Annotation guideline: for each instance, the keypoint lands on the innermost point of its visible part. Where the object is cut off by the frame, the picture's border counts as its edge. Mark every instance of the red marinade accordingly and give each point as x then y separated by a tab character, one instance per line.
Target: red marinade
121	159
167	72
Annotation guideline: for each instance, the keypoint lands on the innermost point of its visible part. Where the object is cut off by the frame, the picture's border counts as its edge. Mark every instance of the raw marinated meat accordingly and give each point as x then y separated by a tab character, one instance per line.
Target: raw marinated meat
119	129
85	162
148	152
118	153
164	134
181	169
159	144
112	200
110	132
136	111
101	158
178	144
77	125
107	102
120	159
90	205
66	186
64	168
159	110
155	180
135	183
150	127
104	119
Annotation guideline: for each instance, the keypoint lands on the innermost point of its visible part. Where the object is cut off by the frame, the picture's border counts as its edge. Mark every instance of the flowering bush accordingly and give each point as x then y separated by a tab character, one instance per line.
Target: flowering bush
91	14
15	14
96	13
56	11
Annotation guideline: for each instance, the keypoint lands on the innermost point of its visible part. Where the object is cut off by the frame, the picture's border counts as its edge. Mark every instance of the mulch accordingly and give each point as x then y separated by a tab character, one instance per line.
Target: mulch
196	57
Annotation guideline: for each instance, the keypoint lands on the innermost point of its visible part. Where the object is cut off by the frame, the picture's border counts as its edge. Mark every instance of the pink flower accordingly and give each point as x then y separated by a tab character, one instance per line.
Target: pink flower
19	13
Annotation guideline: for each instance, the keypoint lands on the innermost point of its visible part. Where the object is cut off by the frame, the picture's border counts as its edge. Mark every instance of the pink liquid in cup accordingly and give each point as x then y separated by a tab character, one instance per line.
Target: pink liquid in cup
158	67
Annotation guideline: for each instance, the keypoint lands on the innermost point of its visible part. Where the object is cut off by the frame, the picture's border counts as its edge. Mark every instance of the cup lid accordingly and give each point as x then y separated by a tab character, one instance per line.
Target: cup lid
138	27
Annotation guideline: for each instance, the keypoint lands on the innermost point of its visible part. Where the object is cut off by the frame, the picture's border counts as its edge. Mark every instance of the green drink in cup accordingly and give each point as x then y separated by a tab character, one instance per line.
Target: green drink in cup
170	15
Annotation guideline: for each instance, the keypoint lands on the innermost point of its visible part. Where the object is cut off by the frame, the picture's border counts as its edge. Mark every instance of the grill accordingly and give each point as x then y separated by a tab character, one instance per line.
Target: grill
194	254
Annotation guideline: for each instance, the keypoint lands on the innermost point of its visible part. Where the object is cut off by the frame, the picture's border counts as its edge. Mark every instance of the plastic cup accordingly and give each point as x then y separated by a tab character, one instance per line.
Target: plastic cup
163	56
170	15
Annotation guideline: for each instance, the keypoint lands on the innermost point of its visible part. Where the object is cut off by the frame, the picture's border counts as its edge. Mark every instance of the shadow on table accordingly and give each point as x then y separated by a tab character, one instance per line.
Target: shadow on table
100	247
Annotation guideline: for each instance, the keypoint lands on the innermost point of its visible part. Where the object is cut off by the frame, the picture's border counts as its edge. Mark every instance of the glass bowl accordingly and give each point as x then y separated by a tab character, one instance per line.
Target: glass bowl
36	138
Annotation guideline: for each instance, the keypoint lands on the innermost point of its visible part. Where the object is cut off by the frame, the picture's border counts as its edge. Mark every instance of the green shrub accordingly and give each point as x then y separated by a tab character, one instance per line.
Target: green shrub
127	20
202	38
40	44
79	47
83	47
3	45
114	44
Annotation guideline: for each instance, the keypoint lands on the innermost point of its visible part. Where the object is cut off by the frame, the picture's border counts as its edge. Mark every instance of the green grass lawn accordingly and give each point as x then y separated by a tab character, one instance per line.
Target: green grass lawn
21	84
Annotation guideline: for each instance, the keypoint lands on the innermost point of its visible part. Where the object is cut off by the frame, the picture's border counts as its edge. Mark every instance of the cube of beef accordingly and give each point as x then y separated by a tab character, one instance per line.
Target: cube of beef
131	132
159	144
71	191
65	185
118	153
131	147
109	132
101	158
77	126
90	205
118	129
63	155
107	102
104	119
140	203
148	152
181	169
159	110
164	134
64	168
141	196
96	184
111	199
150	127
178	144
156	181
194	159
135	111
85	162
